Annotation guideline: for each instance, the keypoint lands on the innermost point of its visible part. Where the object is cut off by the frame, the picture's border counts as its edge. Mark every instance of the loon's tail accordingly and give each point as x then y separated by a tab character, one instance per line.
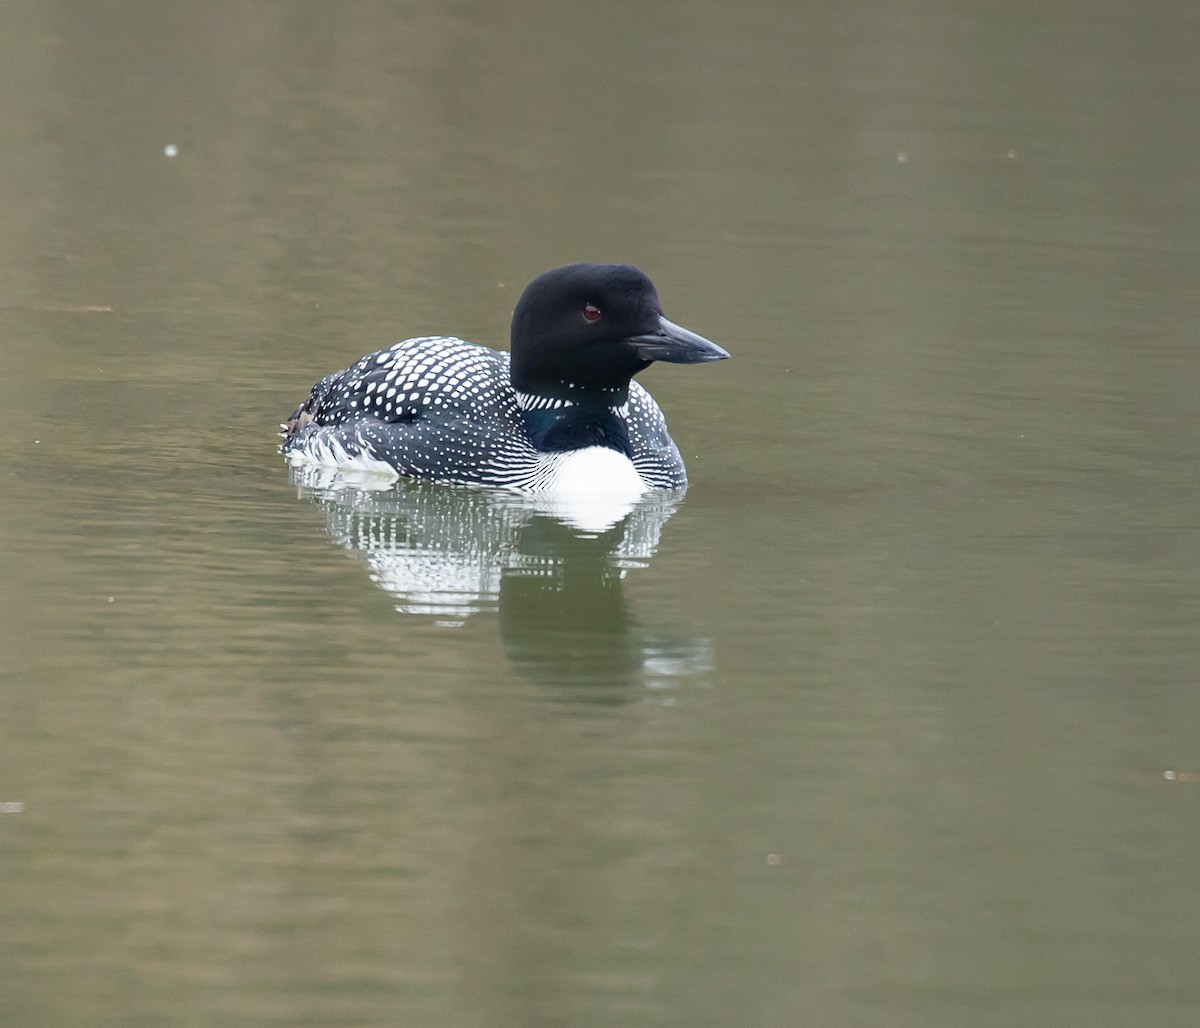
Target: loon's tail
307	412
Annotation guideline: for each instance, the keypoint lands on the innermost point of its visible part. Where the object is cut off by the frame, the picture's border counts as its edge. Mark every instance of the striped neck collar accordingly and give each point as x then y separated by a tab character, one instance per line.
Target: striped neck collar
615	400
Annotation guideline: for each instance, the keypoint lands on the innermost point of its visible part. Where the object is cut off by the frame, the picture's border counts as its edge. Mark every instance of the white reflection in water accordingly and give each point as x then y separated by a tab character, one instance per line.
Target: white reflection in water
552	572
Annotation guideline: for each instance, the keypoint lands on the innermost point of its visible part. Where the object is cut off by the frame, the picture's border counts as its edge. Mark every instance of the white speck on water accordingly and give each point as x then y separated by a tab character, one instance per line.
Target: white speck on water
170	150
12	807
902	157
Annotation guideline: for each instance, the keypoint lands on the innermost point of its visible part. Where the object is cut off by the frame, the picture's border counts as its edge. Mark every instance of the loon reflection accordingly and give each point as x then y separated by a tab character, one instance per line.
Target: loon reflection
553	573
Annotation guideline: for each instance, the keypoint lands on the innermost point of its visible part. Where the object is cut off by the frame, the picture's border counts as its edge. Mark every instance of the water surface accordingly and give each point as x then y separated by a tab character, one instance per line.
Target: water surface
890	721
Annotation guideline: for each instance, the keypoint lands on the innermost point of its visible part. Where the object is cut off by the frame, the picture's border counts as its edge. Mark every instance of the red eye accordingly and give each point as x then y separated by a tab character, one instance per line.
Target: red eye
591	313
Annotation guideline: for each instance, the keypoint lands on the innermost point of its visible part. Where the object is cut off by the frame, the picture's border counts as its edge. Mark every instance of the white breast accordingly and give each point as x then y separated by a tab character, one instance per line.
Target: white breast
590	489
594	470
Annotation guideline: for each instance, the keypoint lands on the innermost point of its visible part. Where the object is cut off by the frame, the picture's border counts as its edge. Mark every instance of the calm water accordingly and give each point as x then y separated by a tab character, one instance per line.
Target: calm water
892	721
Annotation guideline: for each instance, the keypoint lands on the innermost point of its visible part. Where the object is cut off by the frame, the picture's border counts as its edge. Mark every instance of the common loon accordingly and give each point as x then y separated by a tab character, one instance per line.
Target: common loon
559	413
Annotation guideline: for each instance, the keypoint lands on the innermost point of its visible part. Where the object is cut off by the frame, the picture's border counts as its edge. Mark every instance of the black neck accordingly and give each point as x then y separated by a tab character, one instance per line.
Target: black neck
557	429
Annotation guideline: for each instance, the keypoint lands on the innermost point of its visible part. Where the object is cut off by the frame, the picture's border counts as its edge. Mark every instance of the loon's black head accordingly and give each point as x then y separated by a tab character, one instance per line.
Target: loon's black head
587	329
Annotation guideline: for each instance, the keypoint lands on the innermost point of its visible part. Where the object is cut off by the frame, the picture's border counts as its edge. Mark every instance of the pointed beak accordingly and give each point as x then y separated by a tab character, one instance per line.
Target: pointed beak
676	345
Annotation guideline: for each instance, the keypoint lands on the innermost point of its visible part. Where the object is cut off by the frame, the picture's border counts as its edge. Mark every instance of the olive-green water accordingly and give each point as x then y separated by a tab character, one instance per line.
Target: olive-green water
893	720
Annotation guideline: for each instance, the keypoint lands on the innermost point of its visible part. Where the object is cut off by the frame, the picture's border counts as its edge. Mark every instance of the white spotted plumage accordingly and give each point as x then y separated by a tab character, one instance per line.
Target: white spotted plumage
441	409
